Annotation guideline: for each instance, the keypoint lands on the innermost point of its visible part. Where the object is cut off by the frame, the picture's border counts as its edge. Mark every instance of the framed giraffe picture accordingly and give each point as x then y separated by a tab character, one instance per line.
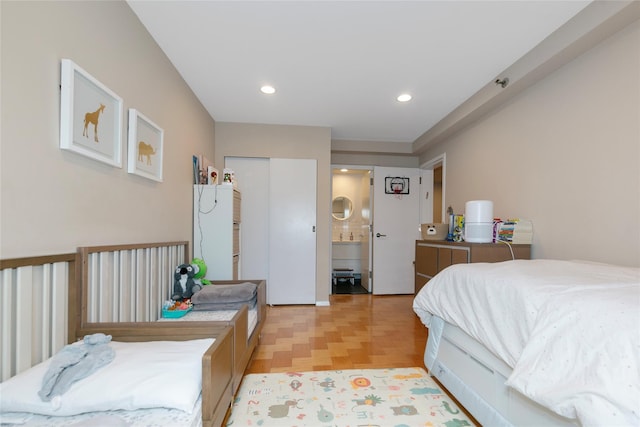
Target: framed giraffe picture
90	116
145	141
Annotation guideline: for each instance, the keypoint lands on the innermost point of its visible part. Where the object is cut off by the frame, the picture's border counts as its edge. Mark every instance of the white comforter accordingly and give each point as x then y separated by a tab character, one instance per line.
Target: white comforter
570	330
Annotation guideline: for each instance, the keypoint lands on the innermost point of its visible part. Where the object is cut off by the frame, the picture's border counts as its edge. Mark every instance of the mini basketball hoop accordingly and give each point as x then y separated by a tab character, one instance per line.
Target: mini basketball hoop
396	185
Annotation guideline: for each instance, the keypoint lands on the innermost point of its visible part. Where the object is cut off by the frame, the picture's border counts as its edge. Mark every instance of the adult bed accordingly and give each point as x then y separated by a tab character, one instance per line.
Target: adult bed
536	342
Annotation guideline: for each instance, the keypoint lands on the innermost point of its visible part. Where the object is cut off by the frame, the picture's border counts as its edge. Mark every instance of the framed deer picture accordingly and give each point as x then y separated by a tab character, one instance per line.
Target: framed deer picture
145	147
90	116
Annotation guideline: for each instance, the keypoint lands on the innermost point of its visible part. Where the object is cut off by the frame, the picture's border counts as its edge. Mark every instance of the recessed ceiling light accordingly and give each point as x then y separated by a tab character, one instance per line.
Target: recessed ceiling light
268	89
404	97
344	170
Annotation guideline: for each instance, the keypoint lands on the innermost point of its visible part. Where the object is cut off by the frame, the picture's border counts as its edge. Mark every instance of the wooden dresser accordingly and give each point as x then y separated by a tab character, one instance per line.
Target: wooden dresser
432	256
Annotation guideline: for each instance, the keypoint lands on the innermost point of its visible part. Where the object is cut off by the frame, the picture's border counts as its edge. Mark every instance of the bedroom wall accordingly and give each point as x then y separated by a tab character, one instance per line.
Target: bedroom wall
289	142
564	153
373	153
52	200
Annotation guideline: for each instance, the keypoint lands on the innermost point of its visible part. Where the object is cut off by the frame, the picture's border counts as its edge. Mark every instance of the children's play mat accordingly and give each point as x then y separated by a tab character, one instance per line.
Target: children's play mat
399	397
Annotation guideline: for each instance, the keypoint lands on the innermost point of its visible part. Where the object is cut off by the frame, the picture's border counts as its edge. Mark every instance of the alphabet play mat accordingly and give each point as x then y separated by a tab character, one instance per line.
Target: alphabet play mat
400	397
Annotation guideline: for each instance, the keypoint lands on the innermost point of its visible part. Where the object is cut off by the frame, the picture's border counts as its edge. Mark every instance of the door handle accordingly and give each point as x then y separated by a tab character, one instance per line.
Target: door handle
380	235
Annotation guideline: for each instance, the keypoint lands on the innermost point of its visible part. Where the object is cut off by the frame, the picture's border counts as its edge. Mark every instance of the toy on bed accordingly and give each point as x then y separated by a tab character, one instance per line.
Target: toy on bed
176	309
184	286
201	270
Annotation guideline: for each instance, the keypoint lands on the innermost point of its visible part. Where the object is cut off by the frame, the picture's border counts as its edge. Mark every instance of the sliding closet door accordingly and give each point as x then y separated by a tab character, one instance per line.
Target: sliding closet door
252	174
292	231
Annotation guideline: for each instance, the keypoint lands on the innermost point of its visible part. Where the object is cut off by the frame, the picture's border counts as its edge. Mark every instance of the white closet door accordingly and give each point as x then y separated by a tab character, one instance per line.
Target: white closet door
252	174
292	235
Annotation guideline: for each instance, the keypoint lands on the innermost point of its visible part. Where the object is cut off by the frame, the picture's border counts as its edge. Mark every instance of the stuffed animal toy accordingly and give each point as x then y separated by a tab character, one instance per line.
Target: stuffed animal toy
201	270
183	284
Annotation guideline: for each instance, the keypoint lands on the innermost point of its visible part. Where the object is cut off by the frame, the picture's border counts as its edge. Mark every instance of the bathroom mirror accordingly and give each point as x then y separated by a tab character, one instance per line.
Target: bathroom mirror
342	208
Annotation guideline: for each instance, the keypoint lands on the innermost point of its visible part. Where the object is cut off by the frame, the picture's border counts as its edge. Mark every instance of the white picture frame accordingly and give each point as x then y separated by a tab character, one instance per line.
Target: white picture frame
90	116
145	147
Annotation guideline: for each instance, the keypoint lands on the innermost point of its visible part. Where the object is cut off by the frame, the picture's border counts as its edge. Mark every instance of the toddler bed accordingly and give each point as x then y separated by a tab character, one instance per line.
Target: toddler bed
130	283
536	342
40	316
245	320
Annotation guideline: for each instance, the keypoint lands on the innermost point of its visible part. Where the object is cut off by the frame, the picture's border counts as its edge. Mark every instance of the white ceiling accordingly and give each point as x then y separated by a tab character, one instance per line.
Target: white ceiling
341	64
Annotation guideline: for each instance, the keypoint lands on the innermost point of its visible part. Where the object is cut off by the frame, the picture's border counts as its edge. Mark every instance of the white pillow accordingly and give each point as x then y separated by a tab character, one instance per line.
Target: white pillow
166	374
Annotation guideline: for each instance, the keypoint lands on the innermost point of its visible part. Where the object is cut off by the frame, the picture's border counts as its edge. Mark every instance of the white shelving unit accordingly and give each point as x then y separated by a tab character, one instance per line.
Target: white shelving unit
216	229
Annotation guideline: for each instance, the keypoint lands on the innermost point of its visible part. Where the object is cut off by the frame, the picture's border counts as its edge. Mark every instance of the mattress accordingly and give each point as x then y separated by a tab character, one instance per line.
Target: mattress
146	383
568	329
218	316
138	418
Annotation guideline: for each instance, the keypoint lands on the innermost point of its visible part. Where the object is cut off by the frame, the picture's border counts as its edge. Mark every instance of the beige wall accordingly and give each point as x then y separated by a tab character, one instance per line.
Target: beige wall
564	153
289	142
373	153
375	159
53	200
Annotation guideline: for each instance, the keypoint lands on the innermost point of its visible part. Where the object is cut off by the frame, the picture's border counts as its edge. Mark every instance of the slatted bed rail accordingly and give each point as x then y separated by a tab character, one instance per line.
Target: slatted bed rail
128	283
36	318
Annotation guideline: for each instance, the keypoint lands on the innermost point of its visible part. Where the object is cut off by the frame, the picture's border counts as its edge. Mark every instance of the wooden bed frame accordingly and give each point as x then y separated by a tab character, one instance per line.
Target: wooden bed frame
60	286
106	274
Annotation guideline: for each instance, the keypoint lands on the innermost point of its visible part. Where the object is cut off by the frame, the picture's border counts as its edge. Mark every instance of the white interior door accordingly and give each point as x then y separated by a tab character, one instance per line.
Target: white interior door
365	244
426	196
292	231
396	220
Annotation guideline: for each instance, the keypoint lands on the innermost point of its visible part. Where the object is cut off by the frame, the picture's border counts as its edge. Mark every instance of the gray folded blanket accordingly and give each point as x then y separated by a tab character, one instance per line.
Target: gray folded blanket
225	297
75	362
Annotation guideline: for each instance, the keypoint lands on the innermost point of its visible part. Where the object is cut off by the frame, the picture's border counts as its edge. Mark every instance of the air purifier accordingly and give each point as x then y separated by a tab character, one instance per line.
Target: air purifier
478	221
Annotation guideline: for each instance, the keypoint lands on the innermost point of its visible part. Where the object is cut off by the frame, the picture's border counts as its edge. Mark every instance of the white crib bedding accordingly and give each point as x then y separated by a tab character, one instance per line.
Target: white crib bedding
138	418
218	316
570	330
163	379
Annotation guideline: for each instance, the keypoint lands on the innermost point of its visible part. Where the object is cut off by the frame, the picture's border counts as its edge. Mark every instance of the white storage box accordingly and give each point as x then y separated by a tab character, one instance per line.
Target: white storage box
434	231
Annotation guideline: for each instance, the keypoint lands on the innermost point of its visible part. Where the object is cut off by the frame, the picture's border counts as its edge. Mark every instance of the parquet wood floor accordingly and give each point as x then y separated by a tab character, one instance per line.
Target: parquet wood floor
355	331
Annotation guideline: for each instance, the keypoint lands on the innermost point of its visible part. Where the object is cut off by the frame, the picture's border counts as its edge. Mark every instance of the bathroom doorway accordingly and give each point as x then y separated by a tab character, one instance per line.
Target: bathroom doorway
432	204
351	230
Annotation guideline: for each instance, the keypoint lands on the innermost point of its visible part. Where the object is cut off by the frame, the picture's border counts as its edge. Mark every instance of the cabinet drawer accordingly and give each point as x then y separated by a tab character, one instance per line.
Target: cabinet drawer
236	239
426	260
459	256
237	201
236	262
420	281
500	252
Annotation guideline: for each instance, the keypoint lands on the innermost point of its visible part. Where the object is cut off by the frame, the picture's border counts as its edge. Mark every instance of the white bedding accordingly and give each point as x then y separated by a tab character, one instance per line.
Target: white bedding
218	316
570	330
153	417
143	375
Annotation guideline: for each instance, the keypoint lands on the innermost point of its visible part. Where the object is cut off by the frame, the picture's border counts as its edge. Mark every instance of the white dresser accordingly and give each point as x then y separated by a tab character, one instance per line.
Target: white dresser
216	229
